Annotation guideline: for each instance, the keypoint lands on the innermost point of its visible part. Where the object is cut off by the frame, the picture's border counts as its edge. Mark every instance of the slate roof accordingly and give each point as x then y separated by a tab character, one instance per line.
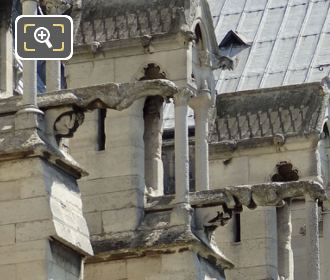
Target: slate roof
290	42
287	42
296	110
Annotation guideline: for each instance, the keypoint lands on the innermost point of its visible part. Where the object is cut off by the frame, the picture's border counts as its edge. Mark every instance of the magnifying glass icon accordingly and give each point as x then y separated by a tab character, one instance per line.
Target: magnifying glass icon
41	35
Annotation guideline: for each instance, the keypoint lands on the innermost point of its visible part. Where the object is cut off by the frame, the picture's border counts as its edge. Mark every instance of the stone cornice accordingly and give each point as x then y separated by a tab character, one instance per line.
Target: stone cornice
167	240
251	196
111	96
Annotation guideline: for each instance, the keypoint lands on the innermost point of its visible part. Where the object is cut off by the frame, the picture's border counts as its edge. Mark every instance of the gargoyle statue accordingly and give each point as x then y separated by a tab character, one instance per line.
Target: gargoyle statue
221	219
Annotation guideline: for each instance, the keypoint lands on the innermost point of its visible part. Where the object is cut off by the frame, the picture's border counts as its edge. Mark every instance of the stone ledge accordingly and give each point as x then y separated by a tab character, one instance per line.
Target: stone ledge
112	96
143	243
260	142
29	143
251	196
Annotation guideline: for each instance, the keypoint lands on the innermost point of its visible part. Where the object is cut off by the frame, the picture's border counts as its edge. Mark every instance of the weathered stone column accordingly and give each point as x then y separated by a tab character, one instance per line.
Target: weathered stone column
284	232
53	75
326	242
181	214
153	132
201	105
312	238
181	146
53	83
6	59
28	117
30	7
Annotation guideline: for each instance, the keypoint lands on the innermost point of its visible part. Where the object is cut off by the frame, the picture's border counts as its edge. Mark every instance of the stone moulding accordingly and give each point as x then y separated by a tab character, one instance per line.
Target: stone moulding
166	240
251	196
111	96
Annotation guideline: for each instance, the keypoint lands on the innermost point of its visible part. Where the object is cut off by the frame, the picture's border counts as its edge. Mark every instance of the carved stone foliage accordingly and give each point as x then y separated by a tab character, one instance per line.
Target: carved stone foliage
152	71
56	7
67	124
285	173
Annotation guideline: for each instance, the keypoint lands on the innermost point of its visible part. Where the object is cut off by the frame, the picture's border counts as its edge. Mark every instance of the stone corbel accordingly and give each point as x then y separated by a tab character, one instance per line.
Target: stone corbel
62	122
67	124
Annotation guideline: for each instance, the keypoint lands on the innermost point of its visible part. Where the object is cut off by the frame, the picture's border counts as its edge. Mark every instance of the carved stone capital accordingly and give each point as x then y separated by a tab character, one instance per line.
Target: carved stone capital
183	96
201	102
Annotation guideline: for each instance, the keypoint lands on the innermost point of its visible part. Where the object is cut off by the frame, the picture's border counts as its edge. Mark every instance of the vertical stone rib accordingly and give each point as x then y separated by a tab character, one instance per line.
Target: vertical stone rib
181	146
312	239
284	232
201	105
29	7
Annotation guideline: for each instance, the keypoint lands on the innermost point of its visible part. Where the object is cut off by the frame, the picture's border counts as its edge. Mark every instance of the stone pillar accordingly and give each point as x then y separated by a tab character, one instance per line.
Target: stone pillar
53	75
29	116
312	238
6	59
29	7
53	67
181	146
181	214
284	232
201	105
325	269
153	132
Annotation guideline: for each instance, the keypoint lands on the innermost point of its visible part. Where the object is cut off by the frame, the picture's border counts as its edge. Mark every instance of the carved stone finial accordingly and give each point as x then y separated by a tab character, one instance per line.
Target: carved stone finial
152	72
